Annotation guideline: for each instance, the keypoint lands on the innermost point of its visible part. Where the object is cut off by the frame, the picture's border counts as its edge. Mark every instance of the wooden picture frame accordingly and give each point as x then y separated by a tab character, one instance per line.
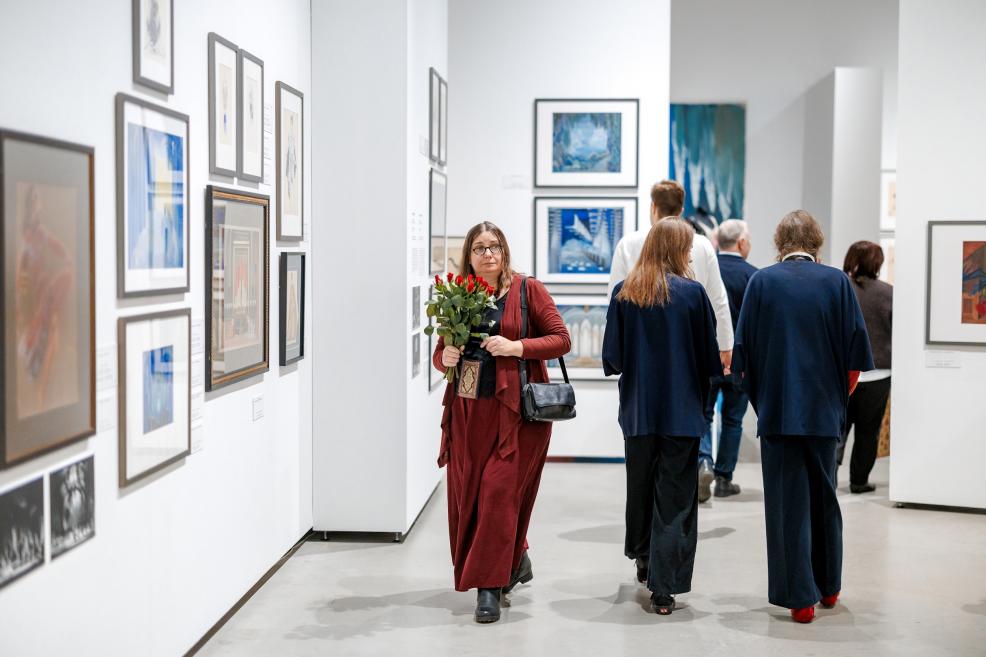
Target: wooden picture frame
154	45
291	342
290	128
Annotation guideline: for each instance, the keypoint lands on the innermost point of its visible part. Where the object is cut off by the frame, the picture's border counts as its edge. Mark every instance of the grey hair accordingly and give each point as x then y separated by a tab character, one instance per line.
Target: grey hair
732	231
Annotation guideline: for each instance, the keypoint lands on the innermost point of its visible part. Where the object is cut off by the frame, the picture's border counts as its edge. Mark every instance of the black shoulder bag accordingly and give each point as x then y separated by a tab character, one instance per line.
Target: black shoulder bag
542	402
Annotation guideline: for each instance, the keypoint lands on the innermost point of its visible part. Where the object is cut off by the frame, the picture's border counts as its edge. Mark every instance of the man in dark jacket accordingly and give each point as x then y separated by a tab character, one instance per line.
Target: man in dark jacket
734	247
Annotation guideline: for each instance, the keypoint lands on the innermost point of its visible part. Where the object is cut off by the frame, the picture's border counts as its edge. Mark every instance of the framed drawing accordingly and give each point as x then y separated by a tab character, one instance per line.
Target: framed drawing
585	318
237	277
152	186
436	220
72	505
250	110
585	143
454	244
155	362
442	122
888	200
47	296
415	355
889	256
434	115
292	307
154	44
434	377
575	237
956	303
415	307
223	94
290	162
22	541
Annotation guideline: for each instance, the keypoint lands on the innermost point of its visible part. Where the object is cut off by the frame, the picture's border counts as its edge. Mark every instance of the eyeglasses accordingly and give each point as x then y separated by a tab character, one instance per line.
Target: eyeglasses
494	250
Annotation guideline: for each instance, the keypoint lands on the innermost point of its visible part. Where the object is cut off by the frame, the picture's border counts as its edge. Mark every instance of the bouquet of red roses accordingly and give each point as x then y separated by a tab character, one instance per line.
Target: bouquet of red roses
458	309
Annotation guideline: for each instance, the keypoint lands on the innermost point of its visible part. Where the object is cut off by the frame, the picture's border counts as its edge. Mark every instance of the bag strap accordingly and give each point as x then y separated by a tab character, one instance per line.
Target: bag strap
522	363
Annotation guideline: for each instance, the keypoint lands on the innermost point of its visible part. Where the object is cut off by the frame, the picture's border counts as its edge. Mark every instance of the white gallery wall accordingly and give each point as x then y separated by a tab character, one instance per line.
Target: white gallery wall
938	439
175	551
768	55
503	56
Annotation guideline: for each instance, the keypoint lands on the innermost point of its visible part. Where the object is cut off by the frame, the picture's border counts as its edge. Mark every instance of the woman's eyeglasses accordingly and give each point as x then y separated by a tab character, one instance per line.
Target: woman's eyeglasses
495	250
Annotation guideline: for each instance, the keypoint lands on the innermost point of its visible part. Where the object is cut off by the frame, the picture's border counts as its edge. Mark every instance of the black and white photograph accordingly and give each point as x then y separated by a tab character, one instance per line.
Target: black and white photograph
72	505
415	355
22	530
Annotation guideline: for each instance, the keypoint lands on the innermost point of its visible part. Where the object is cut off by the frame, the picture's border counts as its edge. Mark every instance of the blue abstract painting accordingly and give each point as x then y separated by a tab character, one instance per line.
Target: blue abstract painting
159	395
155	199
708	157
586	142
582	240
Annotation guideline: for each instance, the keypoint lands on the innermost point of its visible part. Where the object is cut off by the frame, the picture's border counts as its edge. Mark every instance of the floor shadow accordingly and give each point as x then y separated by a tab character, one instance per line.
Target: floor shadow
610	534
718	532
979	608
630	605
838	625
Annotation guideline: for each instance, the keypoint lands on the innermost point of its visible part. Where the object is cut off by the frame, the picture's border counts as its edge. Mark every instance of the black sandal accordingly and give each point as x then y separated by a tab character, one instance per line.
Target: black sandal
662	604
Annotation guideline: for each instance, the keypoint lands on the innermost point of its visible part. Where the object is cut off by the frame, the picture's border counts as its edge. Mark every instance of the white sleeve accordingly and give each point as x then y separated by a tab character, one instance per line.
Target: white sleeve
620	267
716	290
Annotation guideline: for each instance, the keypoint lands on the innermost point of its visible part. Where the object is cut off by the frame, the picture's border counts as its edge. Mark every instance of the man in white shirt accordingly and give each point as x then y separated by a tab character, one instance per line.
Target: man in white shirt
667	200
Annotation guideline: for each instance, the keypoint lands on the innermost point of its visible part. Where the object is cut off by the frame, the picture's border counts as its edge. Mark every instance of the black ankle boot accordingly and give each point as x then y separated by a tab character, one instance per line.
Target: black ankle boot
522	575
641	563
488	605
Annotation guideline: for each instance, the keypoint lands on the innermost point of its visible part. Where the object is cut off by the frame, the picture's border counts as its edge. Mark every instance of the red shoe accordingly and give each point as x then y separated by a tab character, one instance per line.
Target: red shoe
803	615
828	601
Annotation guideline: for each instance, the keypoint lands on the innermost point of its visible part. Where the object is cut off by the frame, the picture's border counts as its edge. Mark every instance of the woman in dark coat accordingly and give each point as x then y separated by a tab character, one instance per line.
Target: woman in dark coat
800	345
494	458
661	337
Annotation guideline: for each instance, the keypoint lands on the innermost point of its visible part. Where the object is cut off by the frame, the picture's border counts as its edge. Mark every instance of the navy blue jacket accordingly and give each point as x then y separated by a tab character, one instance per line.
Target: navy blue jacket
736	273
800	333
666	355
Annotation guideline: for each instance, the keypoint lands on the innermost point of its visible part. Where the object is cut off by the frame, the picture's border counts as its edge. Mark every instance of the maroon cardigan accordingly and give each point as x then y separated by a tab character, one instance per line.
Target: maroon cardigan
549	339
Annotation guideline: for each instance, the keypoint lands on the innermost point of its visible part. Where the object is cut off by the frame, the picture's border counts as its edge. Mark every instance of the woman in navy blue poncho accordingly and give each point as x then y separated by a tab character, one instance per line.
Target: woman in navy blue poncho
661	336
800	344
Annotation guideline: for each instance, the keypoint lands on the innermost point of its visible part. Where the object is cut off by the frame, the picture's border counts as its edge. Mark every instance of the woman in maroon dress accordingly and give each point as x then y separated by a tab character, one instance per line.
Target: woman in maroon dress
494	458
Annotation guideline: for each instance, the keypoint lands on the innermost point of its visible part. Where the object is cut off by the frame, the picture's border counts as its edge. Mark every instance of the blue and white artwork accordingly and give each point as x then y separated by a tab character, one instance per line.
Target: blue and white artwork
581	240
587	142
159	396
155	199
585	319
708	157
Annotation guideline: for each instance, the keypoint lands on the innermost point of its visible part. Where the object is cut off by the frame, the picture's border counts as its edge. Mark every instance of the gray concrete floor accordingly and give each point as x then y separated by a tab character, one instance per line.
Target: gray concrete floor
914	584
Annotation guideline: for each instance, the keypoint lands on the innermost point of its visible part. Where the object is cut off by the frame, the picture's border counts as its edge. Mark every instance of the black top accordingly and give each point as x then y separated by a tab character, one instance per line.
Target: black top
666	355
487	368
876	298
736	273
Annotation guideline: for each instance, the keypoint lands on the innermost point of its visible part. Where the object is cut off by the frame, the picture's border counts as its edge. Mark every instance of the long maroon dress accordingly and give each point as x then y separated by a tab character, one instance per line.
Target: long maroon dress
494	458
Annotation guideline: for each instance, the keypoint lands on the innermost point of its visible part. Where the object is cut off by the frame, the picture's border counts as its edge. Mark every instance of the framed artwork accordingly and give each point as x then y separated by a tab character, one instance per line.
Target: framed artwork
434	115
22	530
155	363
152	186
585	143
292	307
415	307
47	296
290	162
956	303
237	277
415	355
223	95
154	44
434	377
250	110
72	505
888	200
585	318
454	244
575	237
442	122
889	255
437	199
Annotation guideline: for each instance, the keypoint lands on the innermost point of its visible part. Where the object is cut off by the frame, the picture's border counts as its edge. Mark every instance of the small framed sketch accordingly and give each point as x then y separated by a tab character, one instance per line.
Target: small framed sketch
290	131
454	245
292	307
585	143
22	541
238	279
47	296
575	237
415	355
155	363
442	122
72	505
956	283
436	221
415	307
434	376
152	187
585	318
154	44
223	95
250	110
888	200
434	115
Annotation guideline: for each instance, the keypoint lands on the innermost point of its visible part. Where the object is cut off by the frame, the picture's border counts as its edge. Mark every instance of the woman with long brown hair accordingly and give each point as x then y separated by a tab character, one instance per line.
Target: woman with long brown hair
494	457
661	338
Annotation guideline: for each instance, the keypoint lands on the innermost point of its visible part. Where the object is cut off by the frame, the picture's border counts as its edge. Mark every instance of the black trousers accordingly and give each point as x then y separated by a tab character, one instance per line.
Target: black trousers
866	407
804	522
662	508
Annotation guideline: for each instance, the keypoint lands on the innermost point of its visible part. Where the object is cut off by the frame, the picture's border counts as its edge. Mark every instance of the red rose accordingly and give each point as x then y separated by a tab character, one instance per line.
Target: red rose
449	276
471	278
438	279
471	287
458	279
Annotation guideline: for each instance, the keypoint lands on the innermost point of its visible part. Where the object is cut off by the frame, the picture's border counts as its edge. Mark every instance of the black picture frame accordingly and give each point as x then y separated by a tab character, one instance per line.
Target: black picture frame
283	267
242	56
214	41
70	423
138	77
280	88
